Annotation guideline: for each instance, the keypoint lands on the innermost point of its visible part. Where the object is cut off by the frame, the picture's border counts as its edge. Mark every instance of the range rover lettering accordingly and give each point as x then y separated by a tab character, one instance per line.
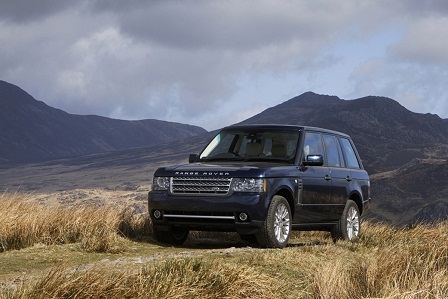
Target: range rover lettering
263	181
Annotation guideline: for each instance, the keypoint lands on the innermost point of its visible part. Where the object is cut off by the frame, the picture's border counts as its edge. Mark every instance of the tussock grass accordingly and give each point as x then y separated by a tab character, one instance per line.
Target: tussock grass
386	262
408	262
186	278
25	224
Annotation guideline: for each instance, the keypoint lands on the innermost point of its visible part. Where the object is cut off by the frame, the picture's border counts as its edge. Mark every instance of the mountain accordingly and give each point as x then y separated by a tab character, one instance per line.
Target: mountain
386	133
406	153
33	131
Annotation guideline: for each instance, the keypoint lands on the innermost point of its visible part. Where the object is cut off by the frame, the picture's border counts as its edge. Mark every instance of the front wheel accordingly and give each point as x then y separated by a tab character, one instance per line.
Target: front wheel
349	225
174	236
276	229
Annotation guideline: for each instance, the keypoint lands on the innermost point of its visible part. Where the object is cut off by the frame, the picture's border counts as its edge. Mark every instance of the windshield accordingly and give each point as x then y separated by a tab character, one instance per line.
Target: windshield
252	145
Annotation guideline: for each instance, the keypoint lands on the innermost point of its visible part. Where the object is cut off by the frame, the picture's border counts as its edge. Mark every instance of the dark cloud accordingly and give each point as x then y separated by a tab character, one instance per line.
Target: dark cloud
421	8
213	25
23	11
187	60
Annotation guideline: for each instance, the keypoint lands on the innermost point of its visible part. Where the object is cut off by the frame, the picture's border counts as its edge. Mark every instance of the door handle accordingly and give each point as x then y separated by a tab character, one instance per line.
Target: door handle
327	177
348	178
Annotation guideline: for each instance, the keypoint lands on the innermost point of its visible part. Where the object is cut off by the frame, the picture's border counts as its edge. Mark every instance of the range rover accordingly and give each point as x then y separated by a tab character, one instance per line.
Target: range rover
263	181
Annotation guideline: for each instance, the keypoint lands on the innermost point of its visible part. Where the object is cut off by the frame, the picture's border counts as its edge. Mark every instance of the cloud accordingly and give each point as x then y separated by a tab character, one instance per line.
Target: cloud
225	25
188	61
424	42
23	11
417	87
414	69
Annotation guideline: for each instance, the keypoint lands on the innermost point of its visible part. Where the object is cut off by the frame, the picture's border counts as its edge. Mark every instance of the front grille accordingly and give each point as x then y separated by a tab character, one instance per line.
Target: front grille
200	185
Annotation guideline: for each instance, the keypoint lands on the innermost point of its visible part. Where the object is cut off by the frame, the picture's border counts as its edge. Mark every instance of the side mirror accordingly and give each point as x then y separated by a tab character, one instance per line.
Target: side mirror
193	158
313	160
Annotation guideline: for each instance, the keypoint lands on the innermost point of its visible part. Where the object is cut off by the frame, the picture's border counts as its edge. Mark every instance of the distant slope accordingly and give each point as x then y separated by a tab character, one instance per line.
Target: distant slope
387	134
406	152
33	131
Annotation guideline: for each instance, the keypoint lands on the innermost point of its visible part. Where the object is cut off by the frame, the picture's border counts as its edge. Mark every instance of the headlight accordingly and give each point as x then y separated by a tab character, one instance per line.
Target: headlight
248	185
161	183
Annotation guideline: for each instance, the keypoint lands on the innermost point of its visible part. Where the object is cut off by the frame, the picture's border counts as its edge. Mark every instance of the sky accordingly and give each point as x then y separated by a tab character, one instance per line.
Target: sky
213	63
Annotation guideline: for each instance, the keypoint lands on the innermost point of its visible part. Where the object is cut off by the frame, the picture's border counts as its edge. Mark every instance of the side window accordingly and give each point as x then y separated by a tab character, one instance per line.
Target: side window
332	150
349	153
312	144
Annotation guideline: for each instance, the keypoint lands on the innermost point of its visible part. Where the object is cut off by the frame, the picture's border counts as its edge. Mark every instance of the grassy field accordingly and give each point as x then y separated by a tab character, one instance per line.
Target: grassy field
108	252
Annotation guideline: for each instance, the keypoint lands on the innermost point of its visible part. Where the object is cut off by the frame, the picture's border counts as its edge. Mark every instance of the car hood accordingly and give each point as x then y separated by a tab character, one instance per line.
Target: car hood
224	170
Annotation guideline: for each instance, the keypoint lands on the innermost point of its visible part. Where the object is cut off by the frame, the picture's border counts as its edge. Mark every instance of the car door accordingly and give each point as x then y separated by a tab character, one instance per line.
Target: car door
340	177
316	194
359	177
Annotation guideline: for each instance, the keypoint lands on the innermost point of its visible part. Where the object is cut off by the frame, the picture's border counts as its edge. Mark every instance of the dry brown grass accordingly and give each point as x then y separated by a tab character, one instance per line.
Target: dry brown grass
25	224
185	278
408	263
386	262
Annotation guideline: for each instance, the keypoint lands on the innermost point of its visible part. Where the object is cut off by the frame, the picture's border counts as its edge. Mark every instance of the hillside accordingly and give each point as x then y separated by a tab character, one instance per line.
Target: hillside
34	131
387	134
405	153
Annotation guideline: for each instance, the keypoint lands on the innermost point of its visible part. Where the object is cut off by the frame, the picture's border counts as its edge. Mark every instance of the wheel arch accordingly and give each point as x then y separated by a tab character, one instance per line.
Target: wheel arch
287	194
356	197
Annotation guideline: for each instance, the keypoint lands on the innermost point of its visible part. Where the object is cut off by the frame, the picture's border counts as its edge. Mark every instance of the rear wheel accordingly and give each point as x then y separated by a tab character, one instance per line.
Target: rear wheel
174	236
349	226
276	229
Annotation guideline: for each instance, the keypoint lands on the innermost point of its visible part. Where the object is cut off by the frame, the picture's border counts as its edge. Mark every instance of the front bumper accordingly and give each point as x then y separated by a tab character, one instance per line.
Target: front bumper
209	213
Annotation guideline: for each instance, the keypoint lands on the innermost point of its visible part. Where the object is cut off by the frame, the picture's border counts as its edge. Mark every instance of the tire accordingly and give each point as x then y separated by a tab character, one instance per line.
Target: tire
349	226
174	236
276	229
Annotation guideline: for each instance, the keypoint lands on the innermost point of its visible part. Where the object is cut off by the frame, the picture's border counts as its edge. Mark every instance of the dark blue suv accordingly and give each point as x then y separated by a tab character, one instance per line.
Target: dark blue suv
262	181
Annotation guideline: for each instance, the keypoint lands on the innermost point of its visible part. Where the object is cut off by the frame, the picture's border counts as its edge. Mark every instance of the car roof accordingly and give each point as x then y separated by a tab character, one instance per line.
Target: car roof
284	127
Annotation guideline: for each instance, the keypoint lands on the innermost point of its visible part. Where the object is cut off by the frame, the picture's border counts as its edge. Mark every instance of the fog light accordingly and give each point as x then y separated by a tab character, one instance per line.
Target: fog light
157	214
243	216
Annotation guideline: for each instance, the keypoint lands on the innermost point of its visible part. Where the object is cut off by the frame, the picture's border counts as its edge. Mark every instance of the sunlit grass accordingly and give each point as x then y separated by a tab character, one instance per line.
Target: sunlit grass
385	263
25	223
